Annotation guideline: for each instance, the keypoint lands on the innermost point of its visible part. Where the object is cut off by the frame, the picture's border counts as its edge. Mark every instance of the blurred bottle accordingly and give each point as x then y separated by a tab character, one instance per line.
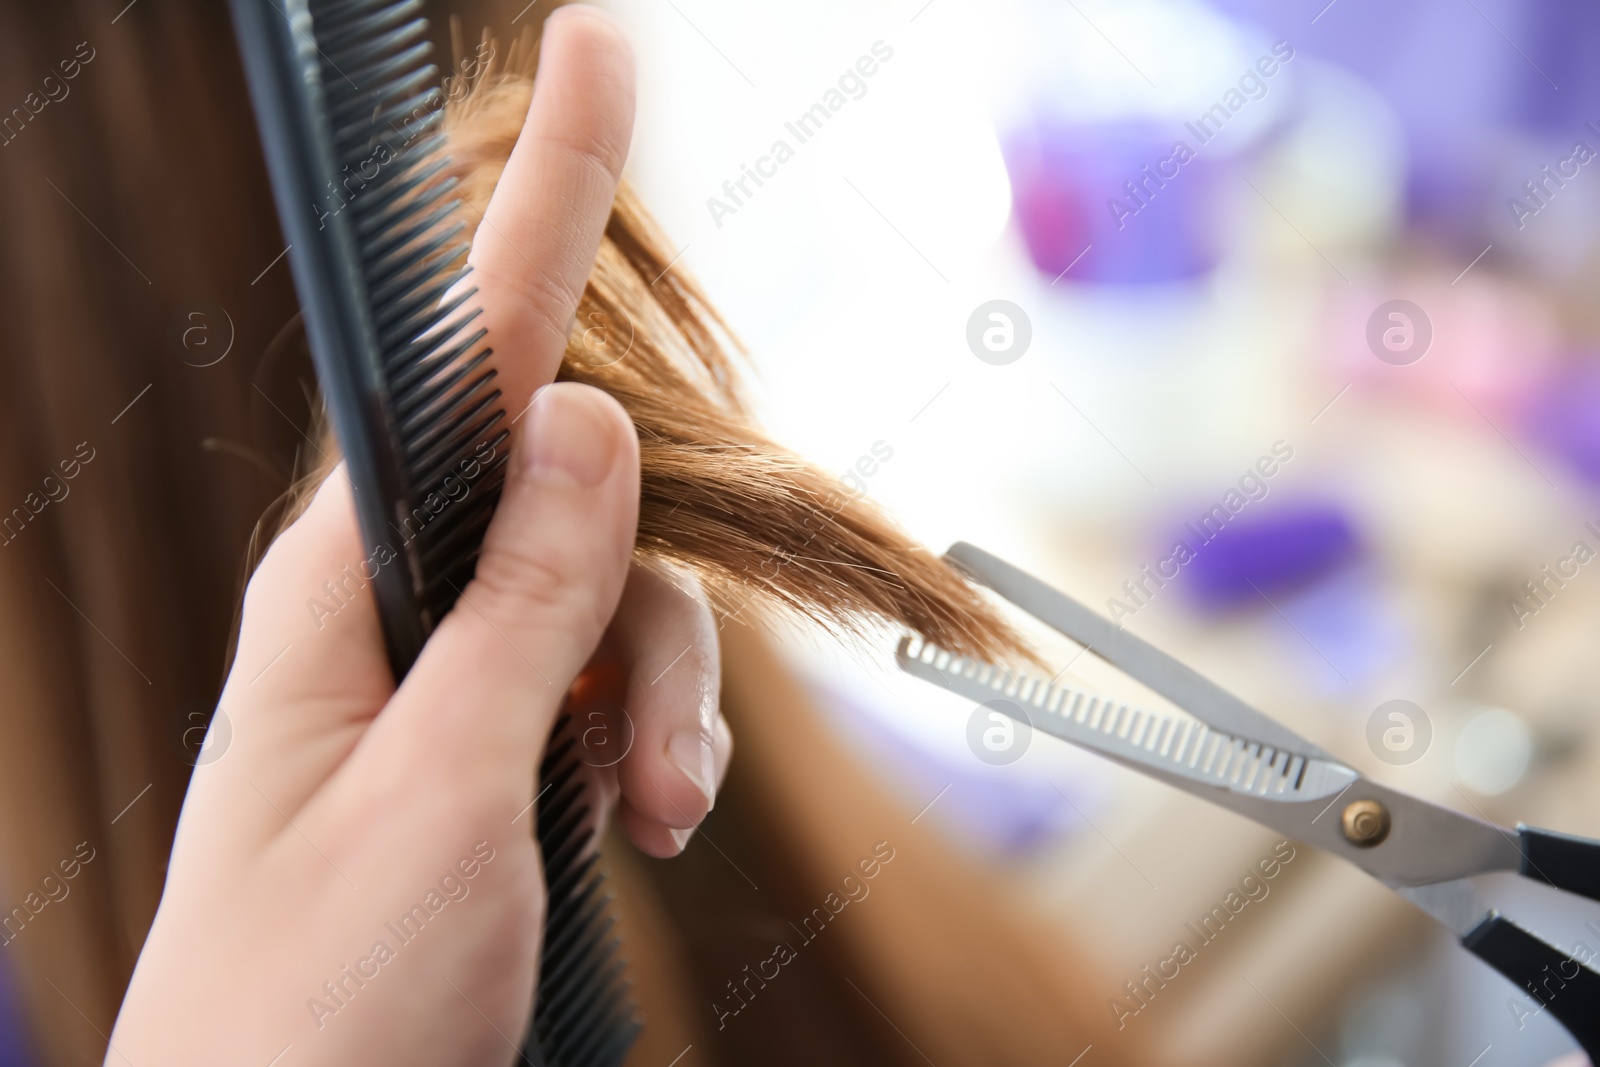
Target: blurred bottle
1127	124
1488	96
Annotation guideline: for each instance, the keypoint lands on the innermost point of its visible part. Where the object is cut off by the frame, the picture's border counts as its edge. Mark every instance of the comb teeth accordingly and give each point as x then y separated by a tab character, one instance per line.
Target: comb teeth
585	1017
350	112
1176	744
383	106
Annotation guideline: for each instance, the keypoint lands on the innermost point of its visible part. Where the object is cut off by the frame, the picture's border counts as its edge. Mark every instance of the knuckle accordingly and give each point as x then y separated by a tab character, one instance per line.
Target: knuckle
513	585
546	301
267	580
598	155
256	587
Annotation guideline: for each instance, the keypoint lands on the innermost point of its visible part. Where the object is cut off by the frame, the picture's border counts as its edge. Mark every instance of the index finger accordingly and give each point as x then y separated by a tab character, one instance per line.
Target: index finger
538	238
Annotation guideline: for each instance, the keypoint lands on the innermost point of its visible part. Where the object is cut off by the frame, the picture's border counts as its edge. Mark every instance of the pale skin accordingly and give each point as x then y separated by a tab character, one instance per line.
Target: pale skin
341	802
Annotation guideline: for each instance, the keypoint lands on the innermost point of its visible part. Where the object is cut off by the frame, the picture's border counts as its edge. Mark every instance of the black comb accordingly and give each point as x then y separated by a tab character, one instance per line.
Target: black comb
349	110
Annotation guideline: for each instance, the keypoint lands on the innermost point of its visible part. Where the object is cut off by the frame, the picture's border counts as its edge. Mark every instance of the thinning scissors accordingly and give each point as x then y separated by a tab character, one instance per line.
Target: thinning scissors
1234	756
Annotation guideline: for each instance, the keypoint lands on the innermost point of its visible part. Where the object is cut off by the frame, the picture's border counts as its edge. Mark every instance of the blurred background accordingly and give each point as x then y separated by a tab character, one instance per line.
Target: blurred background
1181	316
1265	327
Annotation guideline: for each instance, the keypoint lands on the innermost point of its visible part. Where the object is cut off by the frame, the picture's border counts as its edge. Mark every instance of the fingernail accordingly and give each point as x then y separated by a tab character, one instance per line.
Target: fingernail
681	838
569	441
690	752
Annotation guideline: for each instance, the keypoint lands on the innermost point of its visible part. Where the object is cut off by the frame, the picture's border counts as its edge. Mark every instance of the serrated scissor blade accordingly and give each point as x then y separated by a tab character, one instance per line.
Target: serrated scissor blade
1196	694
1219	748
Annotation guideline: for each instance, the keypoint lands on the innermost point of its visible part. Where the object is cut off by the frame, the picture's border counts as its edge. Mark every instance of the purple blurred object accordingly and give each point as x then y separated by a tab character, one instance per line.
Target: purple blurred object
1526	64
1565	418
1486	92
1000	810
1342	630
1273	552
1117	190
14	1047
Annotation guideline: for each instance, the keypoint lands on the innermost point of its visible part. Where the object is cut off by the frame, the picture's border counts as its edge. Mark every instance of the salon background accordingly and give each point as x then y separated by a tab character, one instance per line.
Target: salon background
1266	326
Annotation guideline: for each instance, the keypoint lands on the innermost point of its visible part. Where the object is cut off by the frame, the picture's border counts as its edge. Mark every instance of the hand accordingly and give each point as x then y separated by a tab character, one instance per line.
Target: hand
354	880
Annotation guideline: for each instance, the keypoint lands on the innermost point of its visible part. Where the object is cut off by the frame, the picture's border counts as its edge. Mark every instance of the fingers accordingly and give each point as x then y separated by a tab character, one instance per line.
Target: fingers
662	839
722	746
666	637
481	699
310	602
536	244
310	670
309	617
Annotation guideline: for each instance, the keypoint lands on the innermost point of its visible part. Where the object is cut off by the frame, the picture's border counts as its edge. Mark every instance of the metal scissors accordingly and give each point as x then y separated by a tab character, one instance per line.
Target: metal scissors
1232	755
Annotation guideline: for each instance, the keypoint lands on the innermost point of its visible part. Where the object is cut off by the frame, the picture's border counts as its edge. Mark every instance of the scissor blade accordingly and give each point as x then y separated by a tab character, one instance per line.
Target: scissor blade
1301	797
1178	747
1140	660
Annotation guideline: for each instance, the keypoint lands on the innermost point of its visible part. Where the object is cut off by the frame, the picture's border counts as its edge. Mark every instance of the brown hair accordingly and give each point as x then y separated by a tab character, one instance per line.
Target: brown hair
138	210
133	464
753	520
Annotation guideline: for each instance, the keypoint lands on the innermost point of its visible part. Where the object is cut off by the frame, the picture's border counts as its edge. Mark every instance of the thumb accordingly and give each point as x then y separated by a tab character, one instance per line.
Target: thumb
483	695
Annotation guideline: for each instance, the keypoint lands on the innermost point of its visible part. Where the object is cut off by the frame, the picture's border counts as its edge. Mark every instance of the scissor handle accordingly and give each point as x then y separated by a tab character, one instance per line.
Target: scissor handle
1567	989
1566	861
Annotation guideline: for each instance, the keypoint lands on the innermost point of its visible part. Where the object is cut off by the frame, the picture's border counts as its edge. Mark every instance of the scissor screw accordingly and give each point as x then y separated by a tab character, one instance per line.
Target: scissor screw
1366	823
